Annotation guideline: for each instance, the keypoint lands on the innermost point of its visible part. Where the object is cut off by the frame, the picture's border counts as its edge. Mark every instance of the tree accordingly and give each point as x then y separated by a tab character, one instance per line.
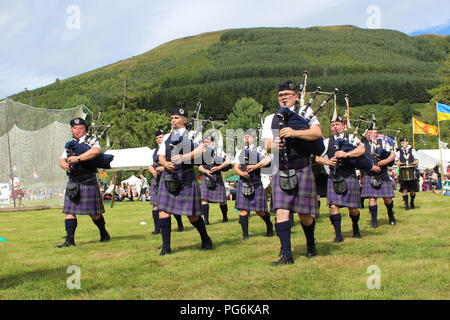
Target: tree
245	114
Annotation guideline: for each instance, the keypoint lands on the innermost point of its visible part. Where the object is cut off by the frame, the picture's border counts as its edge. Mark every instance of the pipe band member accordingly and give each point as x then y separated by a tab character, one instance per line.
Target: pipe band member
406	155
250	190
88	200
302	199
179	191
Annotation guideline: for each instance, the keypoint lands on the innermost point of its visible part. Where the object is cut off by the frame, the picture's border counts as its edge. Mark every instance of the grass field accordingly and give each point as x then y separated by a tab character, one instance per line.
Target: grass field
412	258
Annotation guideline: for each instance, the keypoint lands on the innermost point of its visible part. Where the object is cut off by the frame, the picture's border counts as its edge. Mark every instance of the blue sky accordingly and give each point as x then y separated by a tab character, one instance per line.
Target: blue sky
48	39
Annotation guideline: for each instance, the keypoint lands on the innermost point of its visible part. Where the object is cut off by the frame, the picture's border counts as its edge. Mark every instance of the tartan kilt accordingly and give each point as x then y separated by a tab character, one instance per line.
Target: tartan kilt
351	199
90	202
411	186
216	195
301	200
321	184
385	191
187	201
257	202
17	194
154	193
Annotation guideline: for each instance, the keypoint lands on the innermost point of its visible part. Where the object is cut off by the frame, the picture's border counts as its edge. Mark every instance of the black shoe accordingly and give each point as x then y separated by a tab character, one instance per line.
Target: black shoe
392	220
155	232
412	206
165	251
224	220
105	237
374	224
285	259
180	229
245	238
406	207
339	238
311	251
356	234
207	222
68	243
207	244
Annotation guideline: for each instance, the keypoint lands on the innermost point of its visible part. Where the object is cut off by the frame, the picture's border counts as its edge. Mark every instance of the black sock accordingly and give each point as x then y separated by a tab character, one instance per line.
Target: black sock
355	219
373	212
179	221
336	222
318	204
224	209
100	223
243	221
405	199
291	219
166	225
155	214
205	211
309	233
284	233
71	226
389	208
201	228
266	218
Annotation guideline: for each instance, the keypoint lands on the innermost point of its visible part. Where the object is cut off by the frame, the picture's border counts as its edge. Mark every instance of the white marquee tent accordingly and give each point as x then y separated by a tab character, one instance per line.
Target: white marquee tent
131	159
428	158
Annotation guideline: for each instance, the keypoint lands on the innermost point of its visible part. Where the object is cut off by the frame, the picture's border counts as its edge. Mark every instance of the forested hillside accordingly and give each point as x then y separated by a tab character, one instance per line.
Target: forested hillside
376	67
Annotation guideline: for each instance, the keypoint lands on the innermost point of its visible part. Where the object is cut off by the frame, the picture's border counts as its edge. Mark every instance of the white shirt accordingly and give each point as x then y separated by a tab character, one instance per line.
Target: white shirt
82	139
144	182
162	147
267	127
354	140
414	154
259	149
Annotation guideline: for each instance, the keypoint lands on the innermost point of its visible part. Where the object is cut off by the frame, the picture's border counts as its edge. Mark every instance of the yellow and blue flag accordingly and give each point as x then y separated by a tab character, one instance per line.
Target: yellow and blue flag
443	112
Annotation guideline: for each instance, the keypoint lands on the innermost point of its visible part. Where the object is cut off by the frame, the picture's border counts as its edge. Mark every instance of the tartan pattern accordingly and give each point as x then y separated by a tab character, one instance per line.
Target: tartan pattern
351	199
257	202
409	185
90	202
216	195
187	201
154	193
385	191
301	200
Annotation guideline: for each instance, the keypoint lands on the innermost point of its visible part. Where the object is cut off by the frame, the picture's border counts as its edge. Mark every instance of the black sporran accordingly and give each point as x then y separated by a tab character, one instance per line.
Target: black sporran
288	179
375	182
210	182
248	189
73	190
172	183
339	185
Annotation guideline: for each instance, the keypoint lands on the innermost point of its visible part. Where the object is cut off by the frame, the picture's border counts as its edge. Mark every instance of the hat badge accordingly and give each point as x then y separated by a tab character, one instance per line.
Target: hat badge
181	111
291	86
77	121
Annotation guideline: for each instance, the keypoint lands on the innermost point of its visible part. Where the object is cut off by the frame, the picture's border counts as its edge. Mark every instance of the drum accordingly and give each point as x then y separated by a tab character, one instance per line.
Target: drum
407	173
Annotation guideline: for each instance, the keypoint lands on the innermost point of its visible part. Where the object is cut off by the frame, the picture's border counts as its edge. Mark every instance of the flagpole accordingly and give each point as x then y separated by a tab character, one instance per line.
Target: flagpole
414	140
439	142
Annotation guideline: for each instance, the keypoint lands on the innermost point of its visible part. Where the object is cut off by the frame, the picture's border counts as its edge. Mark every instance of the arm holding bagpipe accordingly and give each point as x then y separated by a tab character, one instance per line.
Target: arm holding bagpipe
298	127
87	153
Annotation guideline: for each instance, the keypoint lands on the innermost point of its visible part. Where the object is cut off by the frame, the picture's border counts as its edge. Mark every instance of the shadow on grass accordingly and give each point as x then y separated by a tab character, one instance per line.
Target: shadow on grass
18	279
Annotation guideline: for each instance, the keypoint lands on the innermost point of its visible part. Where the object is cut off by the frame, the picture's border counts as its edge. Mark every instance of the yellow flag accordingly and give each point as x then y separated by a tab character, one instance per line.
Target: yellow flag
420	127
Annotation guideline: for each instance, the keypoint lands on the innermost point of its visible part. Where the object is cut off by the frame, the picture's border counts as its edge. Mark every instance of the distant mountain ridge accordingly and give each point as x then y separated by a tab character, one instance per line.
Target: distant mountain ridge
373	66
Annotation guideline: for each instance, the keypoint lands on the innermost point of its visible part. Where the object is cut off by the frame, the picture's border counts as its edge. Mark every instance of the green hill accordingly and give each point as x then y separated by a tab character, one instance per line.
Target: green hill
374	66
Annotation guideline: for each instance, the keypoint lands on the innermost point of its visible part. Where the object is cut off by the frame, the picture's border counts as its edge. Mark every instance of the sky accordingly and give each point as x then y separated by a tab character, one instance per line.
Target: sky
43	40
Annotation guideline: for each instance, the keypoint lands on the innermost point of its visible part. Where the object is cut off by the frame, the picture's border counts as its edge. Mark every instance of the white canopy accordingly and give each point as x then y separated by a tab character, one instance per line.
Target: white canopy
133	181
131	159
428	158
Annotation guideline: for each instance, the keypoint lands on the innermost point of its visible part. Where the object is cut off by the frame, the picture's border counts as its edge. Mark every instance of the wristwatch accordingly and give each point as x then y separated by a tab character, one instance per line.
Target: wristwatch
348	155
78	158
